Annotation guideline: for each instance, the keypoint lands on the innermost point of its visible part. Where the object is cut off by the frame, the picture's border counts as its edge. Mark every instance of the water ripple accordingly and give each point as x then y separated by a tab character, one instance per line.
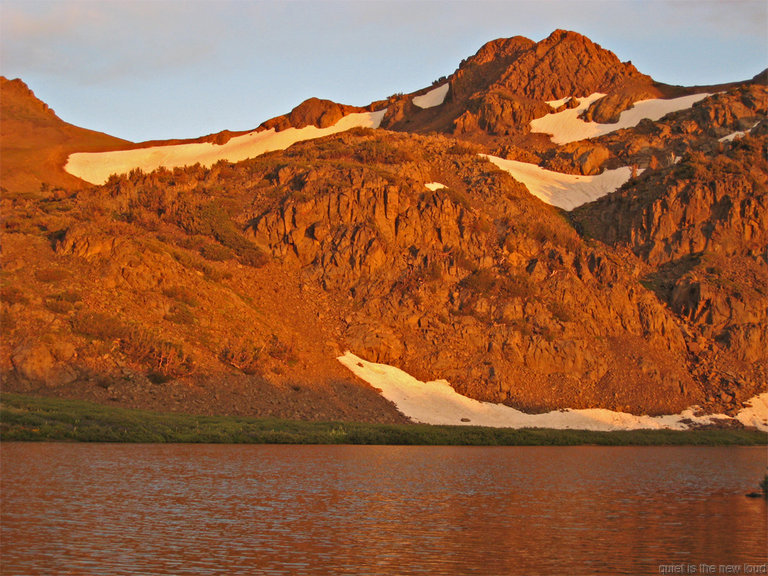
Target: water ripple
276	510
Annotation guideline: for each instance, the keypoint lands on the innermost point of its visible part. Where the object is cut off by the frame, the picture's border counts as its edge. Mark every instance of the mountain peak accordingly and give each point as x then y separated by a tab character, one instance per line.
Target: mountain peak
499	49
560	35
506	84
19	100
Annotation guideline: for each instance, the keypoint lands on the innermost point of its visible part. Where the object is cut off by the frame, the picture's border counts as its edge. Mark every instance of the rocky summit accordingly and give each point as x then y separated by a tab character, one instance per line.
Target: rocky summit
231	287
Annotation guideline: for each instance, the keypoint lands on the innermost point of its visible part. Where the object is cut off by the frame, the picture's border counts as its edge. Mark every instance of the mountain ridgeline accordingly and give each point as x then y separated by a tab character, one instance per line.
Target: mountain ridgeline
232	287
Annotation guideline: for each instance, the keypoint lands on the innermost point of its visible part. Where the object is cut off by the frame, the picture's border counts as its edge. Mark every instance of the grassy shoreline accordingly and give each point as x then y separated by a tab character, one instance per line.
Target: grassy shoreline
32	418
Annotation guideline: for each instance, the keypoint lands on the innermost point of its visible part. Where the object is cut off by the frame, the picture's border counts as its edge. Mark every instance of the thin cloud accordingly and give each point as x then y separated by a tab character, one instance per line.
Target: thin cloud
101	42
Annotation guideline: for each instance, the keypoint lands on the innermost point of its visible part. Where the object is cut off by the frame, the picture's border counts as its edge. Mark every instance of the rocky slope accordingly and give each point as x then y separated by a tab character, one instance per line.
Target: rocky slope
701	226
232	288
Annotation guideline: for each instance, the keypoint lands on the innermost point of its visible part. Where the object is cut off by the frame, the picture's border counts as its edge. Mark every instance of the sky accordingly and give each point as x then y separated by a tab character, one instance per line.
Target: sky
156	69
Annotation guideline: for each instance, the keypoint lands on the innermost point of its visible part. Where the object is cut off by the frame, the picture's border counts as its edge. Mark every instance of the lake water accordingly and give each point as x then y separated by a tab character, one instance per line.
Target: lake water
218	509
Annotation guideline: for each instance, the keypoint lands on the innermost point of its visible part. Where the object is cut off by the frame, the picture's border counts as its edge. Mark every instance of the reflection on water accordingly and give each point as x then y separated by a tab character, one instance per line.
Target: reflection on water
186	509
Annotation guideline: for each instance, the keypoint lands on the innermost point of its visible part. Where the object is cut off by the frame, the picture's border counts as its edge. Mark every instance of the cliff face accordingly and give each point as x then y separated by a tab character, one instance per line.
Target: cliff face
233	288
476	282
702	227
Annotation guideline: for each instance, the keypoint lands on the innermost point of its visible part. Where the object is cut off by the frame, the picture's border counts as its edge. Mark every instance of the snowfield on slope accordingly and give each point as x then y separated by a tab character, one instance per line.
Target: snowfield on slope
96	167
566	126
437	403
566	191
738	134
432	98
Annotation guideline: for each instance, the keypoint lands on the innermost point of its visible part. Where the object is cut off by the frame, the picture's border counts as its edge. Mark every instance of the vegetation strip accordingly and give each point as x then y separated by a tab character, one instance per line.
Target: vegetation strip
31	418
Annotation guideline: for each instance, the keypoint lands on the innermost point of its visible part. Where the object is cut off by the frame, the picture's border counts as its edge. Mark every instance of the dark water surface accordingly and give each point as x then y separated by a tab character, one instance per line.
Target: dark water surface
218	509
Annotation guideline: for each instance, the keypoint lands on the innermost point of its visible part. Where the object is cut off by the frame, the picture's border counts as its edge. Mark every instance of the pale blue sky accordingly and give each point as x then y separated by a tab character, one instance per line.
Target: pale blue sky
151	69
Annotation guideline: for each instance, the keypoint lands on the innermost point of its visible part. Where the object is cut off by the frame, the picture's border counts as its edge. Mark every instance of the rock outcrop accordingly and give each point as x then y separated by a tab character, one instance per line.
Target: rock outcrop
702	226
311	112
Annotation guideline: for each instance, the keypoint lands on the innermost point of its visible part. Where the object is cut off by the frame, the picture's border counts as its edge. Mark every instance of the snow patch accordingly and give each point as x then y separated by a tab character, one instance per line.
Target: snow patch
566	126
557	103
96	167
739	134
432	98
732	136
437	403
435	186
566	191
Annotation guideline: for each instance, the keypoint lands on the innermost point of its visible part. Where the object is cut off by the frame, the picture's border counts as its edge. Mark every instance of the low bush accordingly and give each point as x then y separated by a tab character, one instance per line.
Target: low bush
181	314
378	152
98	326
243	355
51	275
216	253
58	306
68	296
560	311
141	345
181	294
281	351
482	280
12	295
160	357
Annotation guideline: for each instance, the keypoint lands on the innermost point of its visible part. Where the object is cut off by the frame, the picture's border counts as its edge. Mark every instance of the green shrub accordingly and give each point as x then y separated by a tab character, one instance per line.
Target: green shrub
517	286
141	345
159	356
68	296
281	351
58	306
464	261
182	294
216	253
458	197
181	314
461	148
7	321
560	311
12	295
51	275
433	270
482	280
98	326
212	220
243	355
379	152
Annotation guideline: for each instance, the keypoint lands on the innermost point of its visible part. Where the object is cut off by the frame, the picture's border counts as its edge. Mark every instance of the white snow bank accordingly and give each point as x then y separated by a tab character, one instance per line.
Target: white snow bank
739	134
566	191
756	414
98	166
434	186
432	98
557	103
437	403
566	126
732	136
